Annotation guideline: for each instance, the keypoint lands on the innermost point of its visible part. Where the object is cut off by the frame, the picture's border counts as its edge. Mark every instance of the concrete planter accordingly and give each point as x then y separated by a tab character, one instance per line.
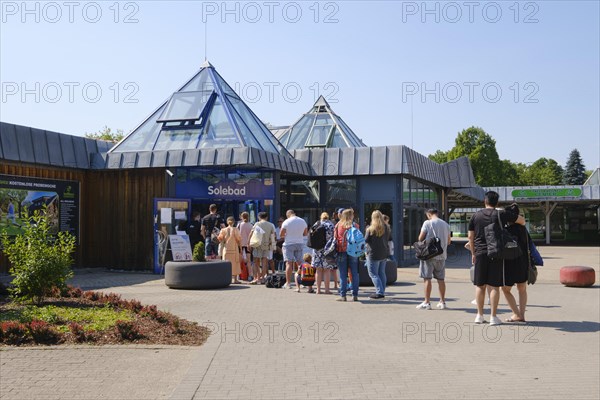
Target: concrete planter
198	275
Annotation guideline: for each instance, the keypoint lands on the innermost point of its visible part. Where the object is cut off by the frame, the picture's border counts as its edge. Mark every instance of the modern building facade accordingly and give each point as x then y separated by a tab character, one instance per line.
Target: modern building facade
204	145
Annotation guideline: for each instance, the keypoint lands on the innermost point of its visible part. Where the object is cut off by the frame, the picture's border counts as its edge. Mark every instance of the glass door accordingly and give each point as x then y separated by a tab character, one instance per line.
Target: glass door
169	214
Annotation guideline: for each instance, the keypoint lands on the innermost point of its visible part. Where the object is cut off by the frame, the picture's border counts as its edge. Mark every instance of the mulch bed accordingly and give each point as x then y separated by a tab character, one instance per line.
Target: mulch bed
149	325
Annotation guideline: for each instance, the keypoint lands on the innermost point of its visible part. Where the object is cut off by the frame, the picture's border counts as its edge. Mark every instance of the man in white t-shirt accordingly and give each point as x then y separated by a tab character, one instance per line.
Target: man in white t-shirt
434	267
292	232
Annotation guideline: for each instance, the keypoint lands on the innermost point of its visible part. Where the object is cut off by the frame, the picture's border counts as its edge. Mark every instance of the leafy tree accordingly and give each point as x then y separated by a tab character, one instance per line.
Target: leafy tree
574	170
39	261
511	174
543	171
106	134
480	147
439	157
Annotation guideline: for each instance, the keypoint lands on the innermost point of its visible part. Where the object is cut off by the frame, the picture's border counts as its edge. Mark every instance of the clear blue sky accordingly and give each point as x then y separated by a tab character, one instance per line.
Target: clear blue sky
369	59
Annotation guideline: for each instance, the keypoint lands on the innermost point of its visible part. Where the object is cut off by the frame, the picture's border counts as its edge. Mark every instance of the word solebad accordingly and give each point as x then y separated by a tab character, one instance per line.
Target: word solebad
227	190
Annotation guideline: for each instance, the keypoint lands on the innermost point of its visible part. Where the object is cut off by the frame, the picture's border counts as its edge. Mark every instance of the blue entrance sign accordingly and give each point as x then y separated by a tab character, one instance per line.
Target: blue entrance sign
226	189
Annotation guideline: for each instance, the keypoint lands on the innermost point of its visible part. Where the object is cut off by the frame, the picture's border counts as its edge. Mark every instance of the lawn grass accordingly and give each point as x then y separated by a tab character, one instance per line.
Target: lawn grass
90	318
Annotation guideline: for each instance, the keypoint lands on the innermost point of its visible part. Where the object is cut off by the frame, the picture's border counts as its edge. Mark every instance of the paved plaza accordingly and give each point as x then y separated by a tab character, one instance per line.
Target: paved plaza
279	344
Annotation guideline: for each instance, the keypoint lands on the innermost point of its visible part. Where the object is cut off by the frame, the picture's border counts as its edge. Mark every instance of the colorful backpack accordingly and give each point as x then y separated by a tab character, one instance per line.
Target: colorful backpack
355	242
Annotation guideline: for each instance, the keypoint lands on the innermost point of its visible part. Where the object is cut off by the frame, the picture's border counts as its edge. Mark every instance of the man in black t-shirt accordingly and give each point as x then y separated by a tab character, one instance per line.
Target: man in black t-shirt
209	223
194	230
488	271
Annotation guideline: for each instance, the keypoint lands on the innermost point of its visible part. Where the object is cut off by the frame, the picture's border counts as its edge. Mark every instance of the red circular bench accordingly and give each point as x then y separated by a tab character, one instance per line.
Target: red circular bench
577	276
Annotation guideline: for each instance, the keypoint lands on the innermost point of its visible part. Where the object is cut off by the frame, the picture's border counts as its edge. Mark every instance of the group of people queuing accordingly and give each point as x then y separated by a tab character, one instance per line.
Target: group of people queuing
263	246
489	274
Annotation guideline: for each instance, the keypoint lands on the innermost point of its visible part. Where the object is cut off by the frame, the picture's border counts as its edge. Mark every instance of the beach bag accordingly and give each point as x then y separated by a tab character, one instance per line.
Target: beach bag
317	236
355	242
428	248
500	243
257	237
275	281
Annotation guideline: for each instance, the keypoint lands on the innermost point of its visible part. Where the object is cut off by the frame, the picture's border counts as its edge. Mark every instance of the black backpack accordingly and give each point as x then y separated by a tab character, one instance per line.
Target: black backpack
275	281
500	243
317	236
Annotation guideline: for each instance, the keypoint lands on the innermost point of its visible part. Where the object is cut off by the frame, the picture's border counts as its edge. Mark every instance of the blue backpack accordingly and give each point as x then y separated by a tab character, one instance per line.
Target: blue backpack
355	242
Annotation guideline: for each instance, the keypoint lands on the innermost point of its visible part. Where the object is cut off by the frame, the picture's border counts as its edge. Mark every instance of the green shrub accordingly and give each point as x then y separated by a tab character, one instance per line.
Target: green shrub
39	260
198	254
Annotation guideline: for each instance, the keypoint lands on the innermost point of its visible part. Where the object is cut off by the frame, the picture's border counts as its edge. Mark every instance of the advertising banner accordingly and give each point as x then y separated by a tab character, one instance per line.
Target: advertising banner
21	196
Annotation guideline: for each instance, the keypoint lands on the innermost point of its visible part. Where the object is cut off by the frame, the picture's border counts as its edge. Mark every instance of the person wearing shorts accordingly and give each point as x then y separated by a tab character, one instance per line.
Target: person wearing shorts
488	271
293	231
261	252
434	267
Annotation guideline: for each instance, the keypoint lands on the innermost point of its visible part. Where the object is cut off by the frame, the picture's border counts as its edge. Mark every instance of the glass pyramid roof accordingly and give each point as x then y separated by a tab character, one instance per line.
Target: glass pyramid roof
204	113
320	127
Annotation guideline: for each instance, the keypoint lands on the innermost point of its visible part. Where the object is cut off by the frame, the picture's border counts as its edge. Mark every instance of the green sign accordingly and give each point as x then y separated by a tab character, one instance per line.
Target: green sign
557	192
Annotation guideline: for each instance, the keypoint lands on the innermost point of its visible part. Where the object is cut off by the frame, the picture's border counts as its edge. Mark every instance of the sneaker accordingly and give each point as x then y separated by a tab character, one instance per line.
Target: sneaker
479	319
341	298
495	321
441	305
474	302
286	286
354	298
424	305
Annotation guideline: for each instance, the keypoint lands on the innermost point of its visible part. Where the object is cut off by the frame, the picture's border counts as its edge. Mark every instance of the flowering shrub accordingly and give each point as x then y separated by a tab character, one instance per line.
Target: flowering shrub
14	332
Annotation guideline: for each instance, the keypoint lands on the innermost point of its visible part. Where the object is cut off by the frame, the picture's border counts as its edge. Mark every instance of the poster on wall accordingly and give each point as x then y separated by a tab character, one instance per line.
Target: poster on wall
21	197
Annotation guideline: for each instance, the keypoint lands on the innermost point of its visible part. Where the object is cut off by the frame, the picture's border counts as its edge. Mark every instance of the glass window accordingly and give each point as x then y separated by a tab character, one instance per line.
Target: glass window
253	125
218	131
350	136
211	177
199	83
177	139
324	119
283	194
246	134
305	192
341	192
338	141
185	106
224	86
300	132
319	135
144	137
284	138
406	190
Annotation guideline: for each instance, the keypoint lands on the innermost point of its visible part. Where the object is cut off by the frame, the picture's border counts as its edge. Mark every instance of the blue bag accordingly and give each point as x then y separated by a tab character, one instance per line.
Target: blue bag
536	257
355	243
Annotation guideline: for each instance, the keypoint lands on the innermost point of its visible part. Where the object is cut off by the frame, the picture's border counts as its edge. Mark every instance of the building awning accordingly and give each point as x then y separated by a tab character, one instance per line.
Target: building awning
245	157
37	146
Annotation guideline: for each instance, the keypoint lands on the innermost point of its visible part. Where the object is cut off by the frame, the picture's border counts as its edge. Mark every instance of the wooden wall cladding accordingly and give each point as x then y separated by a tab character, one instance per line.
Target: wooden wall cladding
116	213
